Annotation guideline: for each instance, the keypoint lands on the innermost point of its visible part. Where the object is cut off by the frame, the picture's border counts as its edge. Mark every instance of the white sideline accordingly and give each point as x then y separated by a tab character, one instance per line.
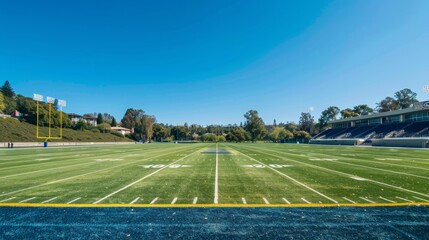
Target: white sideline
290	178
141	179
216	190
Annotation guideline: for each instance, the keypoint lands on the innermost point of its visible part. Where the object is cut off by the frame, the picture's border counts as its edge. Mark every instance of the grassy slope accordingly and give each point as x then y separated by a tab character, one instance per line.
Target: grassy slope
16	131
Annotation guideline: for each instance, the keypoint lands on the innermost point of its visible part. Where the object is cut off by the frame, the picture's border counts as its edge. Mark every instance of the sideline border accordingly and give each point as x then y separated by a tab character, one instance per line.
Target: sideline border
211	205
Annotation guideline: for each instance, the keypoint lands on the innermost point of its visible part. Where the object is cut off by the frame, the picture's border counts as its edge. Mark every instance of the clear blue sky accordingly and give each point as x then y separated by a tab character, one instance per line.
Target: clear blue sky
208	62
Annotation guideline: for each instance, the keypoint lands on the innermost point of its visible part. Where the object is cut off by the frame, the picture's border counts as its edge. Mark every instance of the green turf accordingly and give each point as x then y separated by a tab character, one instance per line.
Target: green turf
184	173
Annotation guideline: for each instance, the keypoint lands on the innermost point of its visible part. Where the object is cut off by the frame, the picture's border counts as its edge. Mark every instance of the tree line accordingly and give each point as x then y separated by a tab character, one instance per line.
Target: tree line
146	128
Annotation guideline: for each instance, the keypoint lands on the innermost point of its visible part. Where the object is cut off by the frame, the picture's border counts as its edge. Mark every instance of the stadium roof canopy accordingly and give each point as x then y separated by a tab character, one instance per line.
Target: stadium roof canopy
416	107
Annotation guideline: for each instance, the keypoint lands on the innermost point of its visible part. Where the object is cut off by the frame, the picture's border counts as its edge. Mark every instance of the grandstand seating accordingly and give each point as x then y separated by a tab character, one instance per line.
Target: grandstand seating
416	129
392	130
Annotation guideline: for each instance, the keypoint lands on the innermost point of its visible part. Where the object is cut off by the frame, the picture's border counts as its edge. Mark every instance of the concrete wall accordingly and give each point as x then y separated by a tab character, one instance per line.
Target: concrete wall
337	141
402	142
58	144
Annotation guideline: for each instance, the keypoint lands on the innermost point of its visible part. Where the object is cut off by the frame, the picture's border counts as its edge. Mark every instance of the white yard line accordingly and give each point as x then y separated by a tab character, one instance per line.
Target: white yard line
290	178
286	201
216	190
141	179
244	200
404	199
305	200
421	199
49	200
47	169
154	200
195	200
26	200
351	201
74	200
84	174
174	200
388	200
346	174
366	199
266	201
5	200
135	200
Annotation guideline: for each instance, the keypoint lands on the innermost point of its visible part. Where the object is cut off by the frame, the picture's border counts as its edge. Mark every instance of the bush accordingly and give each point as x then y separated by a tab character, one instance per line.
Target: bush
118	134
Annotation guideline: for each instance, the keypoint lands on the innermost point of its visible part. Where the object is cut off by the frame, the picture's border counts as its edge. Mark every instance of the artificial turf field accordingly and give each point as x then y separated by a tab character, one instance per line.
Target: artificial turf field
216	174
214	191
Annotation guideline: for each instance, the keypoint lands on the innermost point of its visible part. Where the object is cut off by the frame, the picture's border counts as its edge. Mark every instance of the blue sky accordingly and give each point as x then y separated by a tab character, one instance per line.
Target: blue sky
209	62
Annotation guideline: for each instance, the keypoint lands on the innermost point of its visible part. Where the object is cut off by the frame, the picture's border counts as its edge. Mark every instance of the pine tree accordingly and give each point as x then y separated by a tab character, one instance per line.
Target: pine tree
114	123
99	119
7	90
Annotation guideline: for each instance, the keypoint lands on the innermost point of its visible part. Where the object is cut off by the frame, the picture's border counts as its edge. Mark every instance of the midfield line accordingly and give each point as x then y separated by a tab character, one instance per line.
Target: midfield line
143	178
216	190
290	178
84	174
343	174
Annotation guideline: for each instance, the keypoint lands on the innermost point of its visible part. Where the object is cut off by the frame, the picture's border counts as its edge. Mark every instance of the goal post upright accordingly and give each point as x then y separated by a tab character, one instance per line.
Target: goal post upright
50	101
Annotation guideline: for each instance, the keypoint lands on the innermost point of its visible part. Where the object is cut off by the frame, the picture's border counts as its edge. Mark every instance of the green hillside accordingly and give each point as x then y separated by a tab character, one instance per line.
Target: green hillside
13	130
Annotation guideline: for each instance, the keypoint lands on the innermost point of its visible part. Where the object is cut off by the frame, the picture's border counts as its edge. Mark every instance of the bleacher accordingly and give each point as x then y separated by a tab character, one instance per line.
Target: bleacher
416	129
392	130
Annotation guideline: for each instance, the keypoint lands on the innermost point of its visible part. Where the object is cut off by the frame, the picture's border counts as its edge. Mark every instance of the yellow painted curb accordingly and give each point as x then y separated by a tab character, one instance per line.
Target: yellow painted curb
62	205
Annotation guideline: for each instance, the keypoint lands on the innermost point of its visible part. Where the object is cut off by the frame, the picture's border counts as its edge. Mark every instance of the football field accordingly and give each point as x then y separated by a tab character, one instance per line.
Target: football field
215	174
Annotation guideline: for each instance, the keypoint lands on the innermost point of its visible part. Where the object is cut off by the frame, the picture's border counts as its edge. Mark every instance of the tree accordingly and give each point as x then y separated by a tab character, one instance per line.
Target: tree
2	106
160	133
347	113
327	115
387	104
405	98
99	119
147	126
277	134
7	90
363	109
306	122
237	134
302	135
254	125
114	123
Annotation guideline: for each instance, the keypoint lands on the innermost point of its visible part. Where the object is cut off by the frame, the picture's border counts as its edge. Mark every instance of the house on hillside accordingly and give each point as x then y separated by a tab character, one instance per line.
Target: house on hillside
122	130
16	114
88	118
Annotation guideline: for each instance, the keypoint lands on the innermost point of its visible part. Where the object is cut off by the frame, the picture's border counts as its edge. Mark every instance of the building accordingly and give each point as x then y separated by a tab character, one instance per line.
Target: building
88	118
121	130
402	128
